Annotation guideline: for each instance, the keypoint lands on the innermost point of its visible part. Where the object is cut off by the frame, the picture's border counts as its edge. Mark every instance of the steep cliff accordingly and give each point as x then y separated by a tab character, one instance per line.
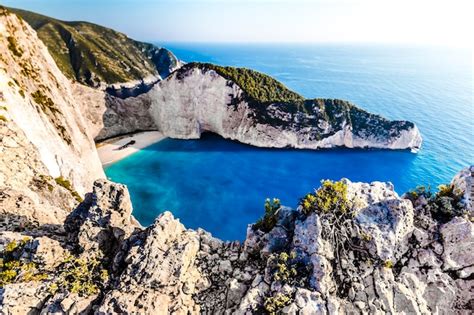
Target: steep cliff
47	152
253	108
250	107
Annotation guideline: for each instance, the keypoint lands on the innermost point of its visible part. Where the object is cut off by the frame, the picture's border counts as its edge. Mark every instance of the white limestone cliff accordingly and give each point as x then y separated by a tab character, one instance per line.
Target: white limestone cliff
194	101
44	135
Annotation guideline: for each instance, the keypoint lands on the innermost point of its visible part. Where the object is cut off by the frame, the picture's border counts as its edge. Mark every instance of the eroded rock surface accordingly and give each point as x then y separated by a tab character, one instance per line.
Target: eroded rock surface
403	261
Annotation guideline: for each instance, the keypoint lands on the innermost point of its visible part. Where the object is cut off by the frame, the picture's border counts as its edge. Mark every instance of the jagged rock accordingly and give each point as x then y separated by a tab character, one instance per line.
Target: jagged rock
458	241
157	272
463	183
103	220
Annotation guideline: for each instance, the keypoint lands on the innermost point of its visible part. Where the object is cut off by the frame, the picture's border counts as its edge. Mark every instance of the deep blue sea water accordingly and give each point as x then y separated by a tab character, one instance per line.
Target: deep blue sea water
221	185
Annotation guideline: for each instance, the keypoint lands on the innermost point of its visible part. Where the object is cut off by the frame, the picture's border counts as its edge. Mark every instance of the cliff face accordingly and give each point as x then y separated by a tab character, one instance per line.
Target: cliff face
197	98
44	136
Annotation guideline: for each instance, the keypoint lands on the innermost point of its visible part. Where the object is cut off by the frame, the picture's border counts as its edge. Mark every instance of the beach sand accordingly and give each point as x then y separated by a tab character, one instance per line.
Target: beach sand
108	152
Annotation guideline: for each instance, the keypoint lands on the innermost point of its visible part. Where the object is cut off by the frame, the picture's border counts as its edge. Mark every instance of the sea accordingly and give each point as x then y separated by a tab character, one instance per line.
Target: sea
221	185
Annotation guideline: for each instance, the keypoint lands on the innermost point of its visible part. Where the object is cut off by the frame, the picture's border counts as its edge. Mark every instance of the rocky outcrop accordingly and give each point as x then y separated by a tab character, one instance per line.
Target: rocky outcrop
396	258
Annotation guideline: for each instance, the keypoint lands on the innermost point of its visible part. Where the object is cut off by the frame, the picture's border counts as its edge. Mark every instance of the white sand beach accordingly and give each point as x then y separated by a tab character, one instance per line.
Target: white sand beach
108	150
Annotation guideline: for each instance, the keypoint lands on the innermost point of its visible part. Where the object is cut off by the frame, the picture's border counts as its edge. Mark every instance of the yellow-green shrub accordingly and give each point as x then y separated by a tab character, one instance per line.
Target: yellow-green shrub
330	197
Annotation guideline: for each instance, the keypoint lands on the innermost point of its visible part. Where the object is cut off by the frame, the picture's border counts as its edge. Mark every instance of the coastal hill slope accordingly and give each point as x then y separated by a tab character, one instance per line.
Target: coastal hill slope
95	55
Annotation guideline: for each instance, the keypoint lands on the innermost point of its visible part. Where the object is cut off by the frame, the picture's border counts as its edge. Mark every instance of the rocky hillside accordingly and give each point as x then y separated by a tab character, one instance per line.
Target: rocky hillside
48	160
349	248
97	56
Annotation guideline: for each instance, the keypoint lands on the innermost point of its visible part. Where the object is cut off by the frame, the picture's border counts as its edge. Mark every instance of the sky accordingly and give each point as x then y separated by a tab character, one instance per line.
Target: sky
437	22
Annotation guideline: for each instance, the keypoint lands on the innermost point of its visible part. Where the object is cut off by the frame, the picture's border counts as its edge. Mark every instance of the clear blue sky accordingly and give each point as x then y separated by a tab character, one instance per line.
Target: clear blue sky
447	22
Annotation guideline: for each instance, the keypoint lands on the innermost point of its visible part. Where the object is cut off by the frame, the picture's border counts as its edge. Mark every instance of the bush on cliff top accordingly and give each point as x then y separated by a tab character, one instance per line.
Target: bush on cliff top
270	218
443	205
330	197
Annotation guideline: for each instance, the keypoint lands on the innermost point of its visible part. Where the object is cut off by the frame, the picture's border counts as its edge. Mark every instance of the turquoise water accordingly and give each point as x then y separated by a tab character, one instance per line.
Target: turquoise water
221	185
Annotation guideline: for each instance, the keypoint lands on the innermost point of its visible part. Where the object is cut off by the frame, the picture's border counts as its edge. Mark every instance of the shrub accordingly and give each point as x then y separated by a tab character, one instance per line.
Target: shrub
44	101
43	182
13	269
61	181
419	191
330	197
13	46
273	304
3	118
270	218
388	264
443	205
81	276
446	204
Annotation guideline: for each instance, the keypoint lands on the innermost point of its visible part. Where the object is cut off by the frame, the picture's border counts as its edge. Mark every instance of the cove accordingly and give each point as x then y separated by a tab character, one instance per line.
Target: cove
221	185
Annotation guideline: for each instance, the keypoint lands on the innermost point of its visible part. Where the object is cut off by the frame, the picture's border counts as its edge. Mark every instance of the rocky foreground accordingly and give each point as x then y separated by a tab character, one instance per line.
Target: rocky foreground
349	248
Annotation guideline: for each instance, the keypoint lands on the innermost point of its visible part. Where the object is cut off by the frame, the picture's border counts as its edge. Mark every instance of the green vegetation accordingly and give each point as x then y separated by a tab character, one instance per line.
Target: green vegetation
81	276
443	205
43	182
92	54
3	118
13	46
3	108
270	218
45	102
331	197
61	181
285	268
274	304
52	111
14	269
256	85
388	264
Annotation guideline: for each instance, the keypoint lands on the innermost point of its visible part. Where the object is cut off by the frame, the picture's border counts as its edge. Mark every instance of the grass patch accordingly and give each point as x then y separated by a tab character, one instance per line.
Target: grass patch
61	181
14	269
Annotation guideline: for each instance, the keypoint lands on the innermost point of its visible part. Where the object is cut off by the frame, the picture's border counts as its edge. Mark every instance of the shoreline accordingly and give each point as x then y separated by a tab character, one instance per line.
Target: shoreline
109	154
